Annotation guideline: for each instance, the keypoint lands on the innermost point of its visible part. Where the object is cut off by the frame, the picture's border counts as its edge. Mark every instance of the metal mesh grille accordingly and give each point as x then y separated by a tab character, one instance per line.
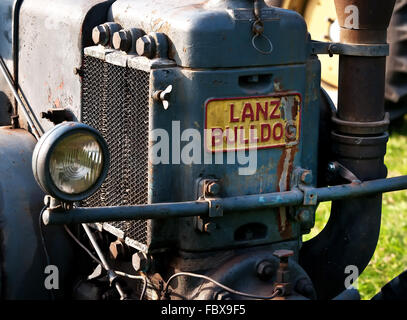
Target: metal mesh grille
115	101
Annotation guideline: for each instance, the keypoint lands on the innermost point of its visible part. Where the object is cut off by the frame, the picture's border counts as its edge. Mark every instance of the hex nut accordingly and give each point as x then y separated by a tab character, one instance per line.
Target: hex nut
122	40
140	262
306	177
117	249
146	47
213	189
100	35
210	227
265	270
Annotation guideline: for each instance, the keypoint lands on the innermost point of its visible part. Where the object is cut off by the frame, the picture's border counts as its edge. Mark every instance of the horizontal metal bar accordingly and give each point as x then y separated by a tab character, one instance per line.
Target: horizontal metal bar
358	50
367	188
232	204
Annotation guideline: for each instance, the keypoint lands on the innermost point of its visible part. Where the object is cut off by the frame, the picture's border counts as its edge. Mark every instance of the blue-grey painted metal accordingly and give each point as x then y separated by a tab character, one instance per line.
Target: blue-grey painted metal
55	40
192	88
22	257
214	34
206	40
230	205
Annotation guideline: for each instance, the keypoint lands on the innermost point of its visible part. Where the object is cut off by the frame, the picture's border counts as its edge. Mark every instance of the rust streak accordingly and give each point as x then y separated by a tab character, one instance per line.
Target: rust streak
284	171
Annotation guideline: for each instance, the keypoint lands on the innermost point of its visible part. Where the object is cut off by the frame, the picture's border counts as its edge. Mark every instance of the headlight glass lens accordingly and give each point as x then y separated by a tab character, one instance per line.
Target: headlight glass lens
76	163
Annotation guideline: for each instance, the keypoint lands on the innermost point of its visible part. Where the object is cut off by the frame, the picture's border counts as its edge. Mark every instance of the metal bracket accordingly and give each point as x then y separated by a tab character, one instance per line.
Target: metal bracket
305	214
360	50
302	180
337	170
57	115
310	197
208	189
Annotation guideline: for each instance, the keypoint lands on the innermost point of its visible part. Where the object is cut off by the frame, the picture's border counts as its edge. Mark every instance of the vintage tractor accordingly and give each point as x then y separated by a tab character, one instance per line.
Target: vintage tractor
179	150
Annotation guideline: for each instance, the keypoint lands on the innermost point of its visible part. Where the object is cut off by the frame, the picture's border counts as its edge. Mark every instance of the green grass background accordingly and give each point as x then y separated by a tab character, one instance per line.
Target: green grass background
390	257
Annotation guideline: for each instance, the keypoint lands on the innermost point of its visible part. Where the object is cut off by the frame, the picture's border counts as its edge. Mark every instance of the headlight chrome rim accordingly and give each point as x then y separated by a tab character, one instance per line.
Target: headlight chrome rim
44	150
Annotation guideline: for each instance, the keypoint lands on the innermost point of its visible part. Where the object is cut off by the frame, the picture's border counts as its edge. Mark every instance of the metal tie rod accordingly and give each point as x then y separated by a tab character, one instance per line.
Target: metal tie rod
10	83
241	203
111	274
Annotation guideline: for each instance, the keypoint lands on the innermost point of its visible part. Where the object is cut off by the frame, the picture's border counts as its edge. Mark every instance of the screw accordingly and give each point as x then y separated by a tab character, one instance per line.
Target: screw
140	262
163	96
146	47
122	40
100	35
265	270
213	189
78	71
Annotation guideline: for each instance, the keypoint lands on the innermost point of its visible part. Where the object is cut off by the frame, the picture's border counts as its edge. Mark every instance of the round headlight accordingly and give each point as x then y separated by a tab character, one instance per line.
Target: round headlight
71	161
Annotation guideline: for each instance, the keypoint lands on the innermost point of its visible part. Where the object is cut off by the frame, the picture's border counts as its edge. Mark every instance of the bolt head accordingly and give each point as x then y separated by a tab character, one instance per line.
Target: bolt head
210	227
145	46
117	249
306	177
122	40
100	35
140	262
265	270
213	189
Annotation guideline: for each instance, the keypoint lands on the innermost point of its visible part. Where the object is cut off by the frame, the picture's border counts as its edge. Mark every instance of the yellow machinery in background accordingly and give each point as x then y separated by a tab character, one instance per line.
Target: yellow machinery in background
322	23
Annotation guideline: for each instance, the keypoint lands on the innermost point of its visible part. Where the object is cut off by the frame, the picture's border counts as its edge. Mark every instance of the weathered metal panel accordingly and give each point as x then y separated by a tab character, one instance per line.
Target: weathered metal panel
206	34
191	90
6	51
52	36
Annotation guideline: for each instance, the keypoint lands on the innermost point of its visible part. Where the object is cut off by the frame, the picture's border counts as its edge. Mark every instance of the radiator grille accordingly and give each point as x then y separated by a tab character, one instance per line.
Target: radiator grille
115	101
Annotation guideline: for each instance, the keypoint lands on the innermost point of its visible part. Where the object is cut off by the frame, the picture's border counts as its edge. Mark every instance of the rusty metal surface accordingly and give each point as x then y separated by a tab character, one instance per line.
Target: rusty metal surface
363	77
51	43
361	88
374	18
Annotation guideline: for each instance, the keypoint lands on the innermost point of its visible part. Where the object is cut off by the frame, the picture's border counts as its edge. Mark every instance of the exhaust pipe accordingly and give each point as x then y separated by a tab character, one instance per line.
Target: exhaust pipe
359	143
